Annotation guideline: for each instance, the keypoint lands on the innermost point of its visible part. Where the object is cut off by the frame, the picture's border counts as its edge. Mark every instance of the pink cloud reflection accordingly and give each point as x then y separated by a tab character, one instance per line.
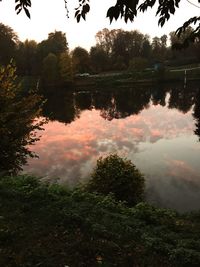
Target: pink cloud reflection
180	168
70	150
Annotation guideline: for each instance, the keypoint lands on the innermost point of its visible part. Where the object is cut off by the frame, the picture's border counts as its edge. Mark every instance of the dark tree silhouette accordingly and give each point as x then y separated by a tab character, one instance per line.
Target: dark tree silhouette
8	43
80	59
98	58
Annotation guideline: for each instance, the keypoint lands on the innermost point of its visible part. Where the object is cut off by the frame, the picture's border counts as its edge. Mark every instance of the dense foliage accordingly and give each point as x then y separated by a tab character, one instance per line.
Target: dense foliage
9	40
48	225
119	177
17	121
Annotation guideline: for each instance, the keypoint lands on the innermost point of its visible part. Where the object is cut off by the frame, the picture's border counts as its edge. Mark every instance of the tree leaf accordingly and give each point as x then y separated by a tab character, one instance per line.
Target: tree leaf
116	13
19	10
76	13
78	17
18	6
27	12
86	8
83	15
110	12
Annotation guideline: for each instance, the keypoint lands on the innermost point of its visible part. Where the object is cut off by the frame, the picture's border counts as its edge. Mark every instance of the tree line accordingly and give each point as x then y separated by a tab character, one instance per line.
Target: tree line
115	50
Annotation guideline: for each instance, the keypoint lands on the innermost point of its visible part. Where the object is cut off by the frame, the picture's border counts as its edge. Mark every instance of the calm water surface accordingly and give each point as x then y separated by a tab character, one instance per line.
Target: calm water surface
157	128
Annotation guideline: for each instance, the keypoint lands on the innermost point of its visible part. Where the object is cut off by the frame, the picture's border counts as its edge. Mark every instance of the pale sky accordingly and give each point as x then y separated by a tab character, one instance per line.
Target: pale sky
50	15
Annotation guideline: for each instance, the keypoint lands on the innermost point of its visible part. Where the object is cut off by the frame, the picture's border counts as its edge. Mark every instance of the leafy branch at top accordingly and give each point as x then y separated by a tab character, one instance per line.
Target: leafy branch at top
194	35
128	10
82	10
23	4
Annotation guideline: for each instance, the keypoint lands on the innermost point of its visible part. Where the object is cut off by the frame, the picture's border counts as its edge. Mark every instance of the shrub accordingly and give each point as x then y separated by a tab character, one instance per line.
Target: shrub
119	177
44	224
18	125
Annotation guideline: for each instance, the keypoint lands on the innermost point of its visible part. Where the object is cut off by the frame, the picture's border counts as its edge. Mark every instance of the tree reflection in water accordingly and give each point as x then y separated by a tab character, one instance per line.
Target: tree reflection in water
117	103
196	114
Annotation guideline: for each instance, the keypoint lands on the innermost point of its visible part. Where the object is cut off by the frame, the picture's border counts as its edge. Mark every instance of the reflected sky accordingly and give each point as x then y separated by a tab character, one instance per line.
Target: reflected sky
159	140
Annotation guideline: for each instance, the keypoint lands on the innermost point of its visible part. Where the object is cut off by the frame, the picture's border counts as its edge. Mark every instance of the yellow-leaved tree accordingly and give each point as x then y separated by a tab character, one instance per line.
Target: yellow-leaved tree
19	122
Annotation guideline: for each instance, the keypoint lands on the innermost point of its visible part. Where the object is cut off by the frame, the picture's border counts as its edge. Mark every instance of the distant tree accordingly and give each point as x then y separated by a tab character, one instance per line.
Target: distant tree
50	70
122	44
137	39
176	41
127	45
26	58
18	122
163	40
56	43
164	49
146	48
65	67
159	48
8	43
98	59
119	177
80	60
105	39
189	54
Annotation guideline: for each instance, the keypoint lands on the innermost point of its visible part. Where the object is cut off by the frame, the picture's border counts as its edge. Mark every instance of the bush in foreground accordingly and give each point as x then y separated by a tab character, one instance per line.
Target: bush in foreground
119	177
49	225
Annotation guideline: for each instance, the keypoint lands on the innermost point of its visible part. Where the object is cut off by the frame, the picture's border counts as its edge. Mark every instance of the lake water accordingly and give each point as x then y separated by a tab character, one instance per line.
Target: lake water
156	127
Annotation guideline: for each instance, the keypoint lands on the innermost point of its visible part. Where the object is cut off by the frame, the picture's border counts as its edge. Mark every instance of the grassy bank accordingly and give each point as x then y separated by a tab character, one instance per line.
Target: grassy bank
49	225
148	76
120	78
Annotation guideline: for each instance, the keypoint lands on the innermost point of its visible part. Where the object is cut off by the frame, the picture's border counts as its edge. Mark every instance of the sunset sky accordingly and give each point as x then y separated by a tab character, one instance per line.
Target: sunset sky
48	16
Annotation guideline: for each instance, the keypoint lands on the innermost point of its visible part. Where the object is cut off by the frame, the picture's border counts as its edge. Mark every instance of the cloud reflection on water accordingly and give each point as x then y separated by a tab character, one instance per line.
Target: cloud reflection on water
152	139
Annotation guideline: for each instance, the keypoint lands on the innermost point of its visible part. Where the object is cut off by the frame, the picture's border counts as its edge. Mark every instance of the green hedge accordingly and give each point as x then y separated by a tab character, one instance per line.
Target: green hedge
49	225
